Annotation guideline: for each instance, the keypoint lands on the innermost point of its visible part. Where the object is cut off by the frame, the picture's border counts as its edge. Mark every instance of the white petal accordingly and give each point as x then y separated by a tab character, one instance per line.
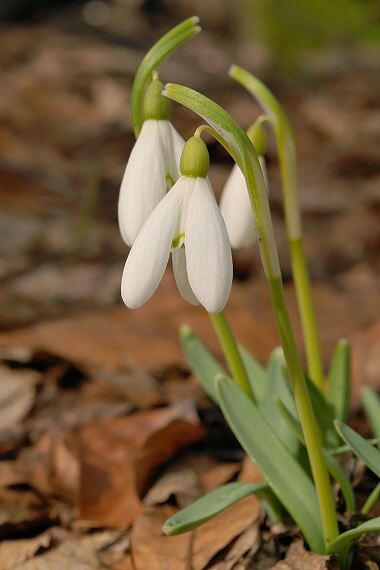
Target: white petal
236	210
144	182
181	278
172	145
208	250
186	185
149	255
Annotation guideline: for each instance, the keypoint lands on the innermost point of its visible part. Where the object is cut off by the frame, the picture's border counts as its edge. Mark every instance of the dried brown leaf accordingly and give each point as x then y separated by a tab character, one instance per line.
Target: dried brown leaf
150	549
189	478
365	360
178	480
249	542
298	558
51	467
21	510
17	392
119	457
14	554
121	336
219	532
10	474
81	554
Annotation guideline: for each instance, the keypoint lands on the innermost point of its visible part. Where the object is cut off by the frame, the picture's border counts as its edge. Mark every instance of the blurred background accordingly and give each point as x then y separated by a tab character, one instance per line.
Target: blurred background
65	137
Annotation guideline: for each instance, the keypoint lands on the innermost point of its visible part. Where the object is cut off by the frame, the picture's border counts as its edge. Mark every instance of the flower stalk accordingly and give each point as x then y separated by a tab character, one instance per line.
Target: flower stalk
288	166
231	351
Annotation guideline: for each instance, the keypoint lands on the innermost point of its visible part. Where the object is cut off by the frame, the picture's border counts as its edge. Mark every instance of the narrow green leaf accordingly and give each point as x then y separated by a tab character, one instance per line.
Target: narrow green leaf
257	375
336	451
371	405
360	447
158	53
339	474
341	545
202	362
278	386
291	419
338	392
325	415
211	504
284	475
371	500
334	467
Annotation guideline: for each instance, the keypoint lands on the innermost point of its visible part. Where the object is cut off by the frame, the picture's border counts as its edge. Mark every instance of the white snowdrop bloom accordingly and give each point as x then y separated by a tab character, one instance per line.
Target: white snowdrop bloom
188	223
235	204
236	208
153	166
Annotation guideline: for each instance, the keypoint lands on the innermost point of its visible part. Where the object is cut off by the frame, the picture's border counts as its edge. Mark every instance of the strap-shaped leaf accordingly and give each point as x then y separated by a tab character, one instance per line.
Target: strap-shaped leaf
339	474
202	362
360	447
284	475
371	404
371	500
338	393
257	375
344	542
325	415
333	465
278	387
211	504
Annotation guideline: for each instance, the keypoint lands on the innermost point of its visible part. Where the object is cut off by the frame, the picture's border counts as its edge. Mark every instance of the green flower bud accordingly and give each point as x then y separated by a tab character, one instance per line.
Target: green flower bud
258	137
156	106
195	160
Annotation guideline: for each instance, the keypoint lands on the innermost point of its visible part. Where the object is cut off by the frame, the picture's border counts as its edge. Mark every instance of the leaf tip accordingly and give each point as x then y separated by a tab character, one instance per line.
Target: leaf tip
194	20
232	70
168	528
185	331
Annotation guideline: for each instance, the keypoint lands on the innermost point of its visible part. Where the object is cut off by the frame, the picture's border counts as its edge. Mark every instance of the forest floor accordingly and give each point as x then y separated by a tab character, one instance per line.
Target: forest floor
103	428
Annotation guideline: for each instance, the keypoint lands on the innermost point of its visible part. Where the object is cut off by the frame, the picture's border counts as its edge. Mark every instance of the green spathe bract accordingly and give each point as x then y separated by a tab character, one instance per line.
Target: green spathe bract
155	57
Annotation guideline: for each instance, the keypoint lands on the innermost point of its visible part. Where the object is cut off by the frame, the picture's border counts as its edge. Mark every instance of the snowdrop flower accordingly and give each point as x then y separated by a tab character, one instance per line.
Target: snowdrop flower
153	166
188	223
235	204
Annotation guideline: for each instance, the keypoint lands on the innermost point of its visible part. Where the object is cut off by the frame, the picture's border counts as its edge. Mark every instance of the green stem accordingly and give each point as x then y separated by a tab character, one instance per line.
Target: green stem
307	313
287	159
288	165
306	413
231	352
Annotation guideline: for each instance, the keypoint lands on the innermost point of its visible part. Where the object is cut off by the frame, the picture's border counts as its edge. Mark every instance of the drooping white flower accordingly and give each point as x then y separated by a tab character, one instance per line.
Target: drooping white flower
188	223
236	208
153	166
235	204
